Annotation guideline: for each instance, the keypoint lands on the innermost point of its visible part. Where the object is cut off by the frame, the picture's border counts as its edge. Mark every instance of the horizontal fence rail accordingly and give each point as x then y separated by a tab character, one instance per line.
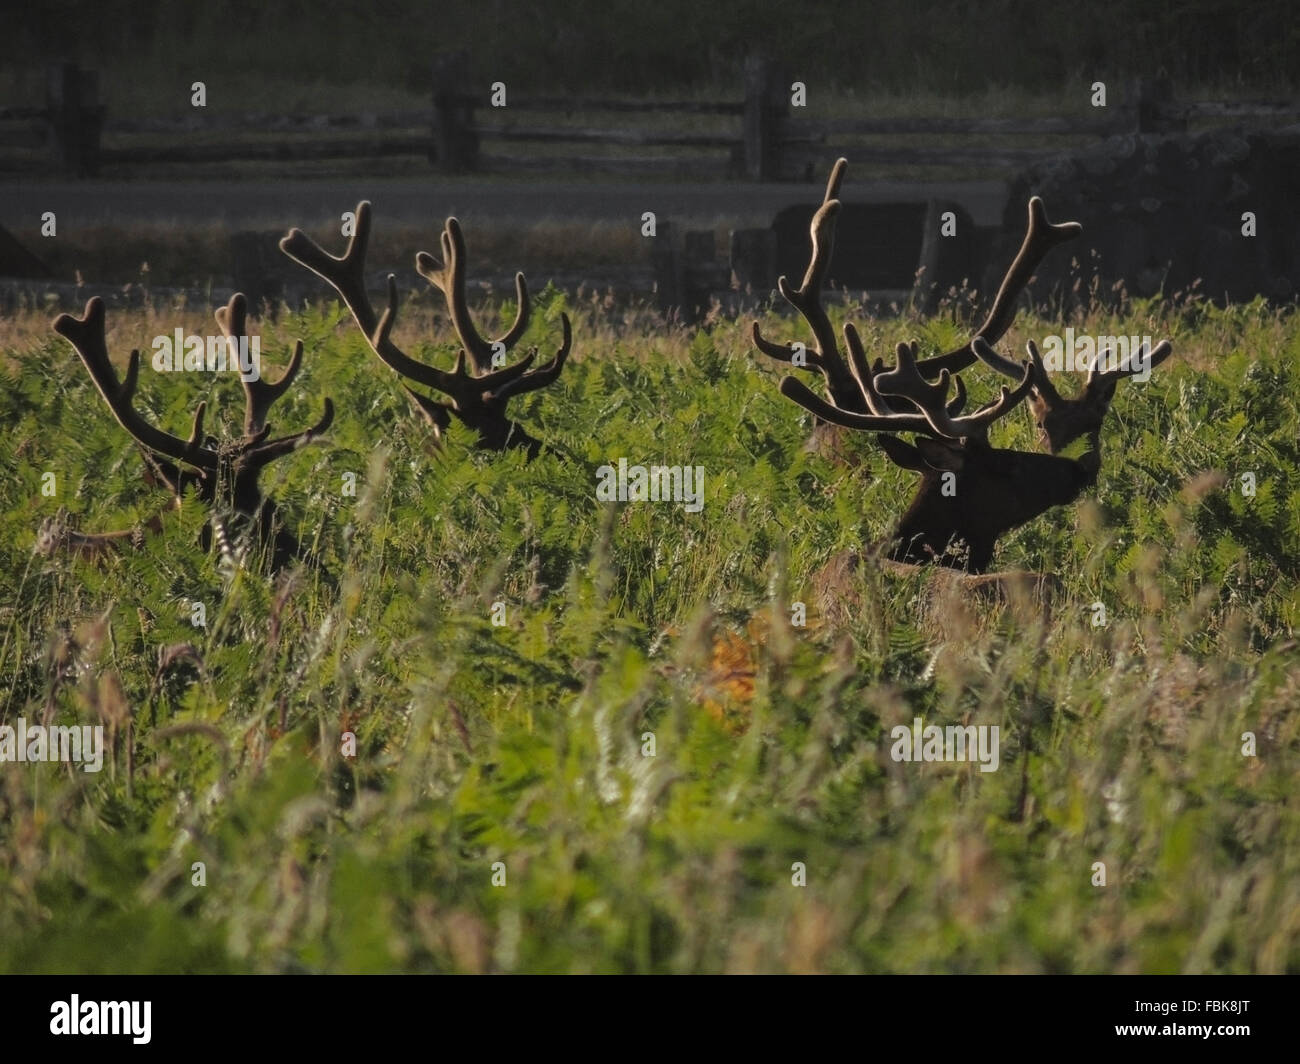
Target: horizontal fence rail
759	136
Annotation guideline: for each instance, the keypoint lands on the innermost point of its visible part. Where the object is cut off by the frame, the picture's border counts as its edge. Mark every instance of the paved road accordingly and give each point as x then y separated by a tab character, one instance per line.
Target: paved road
276	204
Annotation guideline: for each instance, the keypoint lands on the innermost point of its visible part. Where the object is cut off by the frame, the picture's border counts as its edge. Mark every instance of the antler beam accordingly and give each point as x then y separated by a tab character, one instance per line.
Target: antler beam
970	493
86	334
478	399
223	476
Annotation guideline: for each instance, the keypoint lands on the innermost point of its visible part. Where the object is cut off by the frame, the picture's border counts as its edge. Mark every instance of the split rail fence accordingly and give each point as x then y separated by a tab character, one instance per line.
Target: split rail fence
757	136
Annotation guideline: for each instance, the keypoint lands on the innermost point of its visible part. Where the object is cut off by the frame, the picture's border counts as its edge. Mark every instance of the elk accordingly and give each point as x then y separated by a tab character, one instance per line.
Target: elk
476	399
970	493
223	476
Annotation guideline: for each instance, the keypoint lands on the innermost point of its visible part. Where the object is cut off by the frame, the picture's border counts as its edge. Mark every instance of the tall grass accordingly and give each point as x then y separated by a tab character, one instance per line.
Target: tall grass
525	744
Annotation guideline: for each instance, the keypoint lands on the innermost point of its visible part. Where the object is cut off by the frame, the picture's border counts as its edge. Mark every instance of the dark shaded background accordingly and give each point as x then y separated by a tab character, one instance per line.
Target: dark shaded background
942	46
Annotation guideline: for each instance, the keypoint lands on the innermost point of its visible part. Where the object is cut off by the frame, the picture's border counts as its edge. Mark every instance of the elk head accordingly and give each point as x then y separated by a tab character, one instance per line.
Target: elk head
970	492
1061	421
477	399
223	476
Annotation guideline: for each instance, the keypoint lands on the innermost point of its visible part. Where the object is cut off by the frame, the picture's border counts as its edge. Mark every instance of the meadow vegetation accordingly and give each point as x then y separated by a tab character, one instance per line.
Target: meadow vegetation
634	623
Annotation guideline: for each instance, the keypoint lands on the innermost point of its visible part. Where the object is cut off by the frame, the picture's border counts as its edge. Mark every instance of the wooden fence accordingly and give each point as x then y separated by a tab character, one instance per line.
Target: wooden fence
65	132
758	136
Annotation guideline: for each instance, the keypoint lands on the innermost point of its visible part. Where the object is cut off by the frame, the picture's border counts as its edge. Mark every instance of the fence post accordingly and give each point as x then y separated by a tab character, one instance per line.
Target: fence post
455	143
72	100
763	114
667	269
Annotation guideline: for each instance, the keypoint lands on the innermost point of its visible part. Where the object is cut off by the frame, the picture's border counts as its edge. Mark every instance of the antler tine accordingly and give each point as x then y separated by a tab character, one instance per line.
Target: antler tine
346	272
543	375
835	180
86	334
793	388
346	275
807	300
930	399
449	279
489	382
865	376
264	453
958	401
979	421
1040	237
1006	366
863	373
1145	361
784	352
943	423
1041	381
233	317
260	394
905	380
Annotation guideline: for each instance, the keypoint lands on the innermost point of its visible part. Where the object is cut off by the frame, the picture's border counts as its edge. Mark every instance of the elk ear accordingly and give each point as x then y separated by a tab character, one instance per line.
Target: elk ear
1101	390
902	454
941	455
